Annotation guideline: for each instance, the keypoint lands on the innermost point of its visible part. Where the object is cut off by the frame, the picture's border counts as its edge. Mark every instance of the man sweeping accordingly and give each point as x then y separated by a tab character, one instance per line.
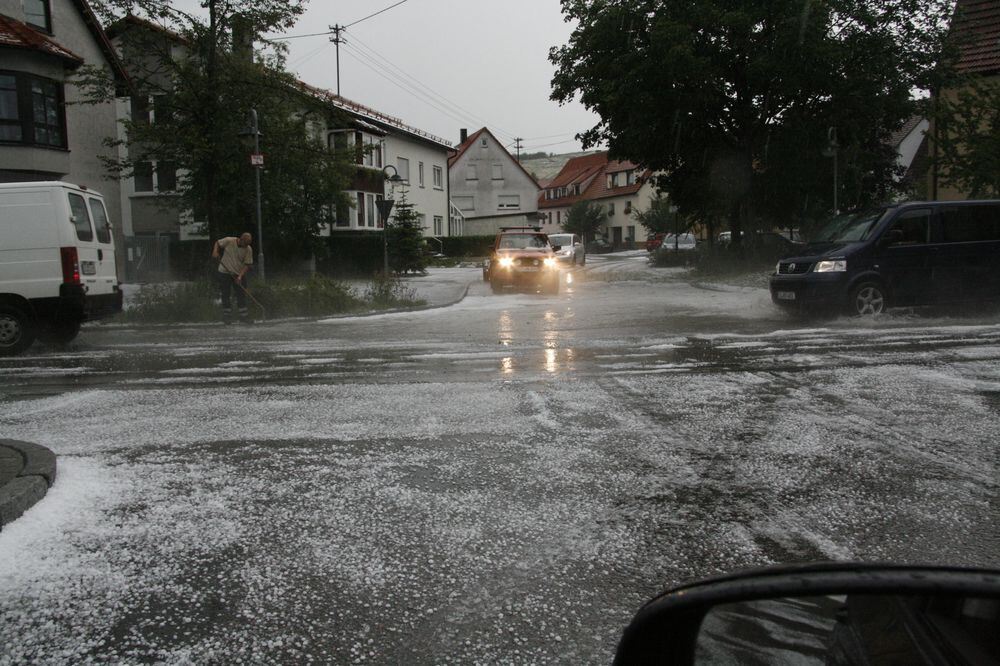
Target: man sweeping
235	257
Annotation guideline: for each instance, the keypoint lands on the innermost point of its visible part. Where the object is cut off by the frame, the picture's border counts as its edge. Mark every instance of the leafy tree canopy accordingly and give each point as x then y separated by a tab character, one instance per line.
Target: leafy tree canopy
200	76
731	102
967	137
660	217
584	218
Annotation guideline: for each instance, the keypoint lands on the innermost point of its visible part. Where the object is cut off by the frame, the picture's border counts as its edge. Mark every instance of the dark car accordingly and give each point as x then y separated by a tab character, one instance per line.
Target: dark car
909	254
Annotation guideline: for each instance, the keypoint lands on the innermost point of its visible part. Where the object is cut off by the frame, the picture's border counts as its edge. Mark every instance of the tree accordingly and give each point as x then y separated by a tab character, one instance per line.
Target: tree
661	217
201	105
731	102
584	218
406	239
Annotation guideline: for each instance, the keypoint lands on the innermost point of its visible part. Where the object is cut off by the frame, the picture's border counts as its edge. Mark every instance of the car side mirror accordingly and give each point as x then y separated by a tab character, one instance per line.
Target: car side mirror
892	237
832	613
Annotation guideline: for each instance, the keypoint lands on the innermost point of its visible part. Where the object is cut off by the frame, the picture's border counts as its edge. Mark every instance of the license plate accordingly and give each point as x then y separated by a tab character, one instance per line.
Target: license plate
528	269
88	268
786	295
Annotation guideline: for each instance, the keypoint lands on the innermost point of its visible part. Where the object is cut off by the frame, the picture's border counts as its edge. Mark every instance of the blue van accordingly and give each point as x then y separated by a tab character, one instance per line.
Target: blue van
908	254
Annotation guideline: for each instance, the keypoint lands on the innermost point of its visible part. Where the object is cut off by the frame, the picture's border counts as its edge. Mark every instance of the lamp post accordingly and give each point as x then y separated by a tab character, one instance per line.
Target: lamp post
384	208
257	161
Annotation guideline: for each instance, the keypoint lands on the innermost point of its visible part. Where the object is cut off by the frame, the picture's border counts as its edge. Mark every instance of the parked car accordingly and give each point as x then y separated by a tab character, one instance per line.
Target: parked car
523	257
599	246
653	241
678	243
569	249
909	254
57	263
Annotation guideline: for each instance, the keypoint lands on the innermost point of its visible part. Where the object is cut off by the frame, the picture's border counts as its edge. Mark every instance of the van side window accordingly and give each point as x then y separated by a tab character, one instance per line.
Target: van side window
915	225
81	220
965	224
100	220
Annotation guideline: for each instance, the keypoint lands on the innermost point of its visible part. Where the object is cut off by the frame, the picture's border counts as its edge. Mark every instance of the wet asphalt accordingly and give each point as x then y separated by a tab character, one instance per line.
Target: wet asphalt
504	480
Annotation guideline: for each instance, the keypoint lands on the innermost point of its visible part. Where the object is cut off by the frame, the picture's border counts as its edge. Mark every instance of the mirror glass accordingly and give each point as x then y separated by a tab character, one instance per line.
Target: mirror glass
852	629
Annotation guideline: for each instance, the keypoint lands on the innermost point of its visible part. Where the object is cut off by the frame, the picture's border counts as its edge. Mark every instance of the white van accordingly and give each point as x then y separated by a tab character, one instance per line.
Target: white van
57	263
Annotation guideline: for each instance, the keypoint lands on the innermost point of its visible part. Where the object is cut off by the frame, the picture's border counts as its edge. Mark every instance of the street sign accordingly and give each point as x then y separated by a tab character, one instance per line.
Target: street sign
257	159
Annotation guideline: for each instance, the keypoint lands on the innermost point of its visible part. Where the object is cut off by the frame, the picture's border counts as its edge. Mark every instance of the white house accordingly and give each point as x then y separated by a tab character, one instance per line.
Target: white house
490	187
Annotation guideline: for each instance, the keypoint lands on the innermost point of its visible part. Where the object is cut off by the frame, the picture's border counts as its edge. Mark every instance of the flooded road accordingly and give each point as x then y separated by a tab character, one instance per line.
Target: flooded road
504	480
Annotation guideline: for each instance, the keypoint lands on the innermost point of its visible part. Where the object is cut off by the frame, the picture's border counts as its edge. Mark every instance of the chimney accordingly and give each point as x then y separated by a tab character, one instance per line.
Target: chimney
463	135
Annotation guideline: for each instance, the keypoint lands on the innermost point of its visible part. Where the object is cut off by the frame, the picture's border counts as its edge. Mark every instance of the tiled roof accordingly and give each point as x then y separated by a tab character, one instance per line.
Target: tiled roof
20	35
590	172
370	114
899	135
460	150
977	27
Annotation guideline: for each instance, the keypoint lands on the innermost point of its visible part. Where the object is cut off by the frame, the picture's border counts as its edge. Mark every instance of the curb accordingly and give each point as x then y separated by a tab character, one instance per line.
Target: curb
26	472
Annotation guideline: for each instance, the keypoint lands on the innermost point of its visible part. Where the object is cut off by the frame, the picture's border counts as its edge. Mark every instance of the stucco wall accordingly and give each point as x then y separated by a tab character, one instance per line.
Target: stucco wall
428	200
484	189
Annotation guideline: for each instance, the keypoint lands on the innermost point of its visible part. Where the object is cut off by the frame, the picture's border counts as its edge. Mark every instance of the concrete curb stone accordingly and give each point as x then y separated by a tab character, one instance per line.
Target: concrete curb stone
26	472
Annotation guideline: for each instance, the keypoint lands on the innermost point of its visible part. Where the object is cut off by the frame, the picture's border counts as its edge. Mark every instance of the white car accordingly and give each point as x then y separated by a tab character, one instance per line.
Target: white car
571	249
678	242
57	263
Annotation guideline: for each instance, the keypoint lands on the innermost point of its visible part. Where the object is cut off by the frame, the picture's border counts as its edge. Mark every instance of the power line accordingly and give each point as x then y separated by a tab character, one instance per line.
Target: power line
375	14
374	55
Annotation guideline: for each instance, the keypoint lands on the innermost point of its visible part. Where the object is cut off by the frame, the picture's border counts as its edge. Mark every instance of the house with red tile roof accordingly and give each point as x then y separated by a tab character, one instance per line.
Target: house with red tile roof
620	188
489	187
976	28
45	132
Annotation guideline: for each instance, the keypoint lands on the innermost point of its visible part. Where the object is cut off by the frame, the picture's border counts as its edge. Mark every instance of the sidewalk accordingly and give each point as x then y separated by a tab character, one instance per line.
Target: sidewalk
26	472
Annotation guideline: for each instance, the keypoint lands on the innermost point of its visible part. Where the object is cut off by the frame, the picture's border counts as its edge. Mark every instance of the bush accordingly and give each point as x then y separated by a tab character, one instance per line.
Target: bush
316	296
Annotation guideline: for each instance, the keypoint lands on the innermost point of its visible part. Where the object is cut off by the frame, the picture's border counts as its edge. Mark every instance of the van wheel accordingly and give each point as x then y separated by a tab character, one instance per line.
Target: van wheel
59	332
17	330
868	299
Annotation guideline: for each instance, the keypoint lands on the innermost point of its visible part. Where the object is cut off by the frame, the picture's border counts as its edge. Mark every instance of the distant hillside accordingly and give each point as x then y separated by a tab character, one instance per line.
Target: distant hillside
546	168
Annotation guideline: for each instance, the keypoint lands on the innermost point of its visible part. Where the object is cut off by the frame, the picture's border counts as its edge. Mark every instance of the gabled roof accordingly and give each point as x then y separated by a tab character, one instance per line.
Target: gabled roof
464	146
590	172
899	135
20	35
371	115
94	26
976	26
132	21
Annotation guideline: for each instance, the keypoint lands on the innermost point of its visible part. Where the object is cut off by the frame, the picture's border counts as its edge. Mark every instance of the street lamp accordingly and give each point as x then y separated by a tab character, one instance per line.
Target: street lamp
257	161
384	208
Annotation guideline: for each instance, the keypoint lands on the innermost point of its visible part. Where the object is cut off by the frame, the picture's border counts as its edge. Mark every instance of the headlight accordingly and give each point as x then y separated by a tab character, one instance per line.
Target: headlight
506	262
835	266
550	262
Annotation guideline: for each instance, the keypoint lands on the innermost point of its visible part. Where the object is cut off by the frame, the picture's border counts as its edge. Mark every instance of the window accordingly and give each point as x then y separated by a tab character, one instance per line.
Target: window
465	203
38	14
361	209
342	215
380	223
80	218
611	208
558	217
31	110
483	143
438	177
420	174
914	225
166	176
497	172
370	209
143	176
101	222
966	224
470	172
509	201
403	166
438	225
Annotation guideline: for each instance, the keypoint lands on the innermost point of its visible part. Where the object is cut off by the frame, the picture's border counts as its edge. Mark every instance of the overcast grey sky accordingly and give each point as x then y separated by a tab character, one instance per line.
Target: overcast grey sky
481	62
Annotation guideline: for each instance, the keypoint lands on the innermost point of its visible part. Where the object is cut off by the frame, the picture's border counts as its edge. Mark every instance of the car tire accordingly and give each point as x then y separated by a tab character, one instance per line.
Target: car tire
868	299
17	330
59	333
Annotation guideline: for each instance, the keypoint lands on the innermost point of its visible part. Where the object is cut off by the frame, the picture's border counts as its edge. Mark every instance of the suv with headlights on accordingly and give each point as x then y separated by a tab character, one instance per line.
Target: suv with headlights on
523	257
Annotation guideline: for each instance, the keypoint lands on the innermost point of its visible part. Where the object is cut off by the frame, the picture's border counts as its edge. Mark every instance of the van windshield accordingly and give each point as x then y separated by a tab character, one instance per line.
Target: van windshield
849	228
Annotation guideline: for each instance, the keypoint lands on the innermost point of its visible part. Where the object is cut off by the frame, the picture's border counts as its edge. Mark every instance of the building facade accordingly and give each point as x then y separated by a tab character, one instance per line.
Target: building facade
489	187
46	133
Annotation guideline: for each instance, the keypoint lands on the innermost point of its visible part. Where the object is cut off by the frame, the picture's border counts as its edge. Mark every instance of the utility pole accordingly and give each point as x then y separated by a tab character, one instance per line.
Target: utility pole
517	146
337	39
